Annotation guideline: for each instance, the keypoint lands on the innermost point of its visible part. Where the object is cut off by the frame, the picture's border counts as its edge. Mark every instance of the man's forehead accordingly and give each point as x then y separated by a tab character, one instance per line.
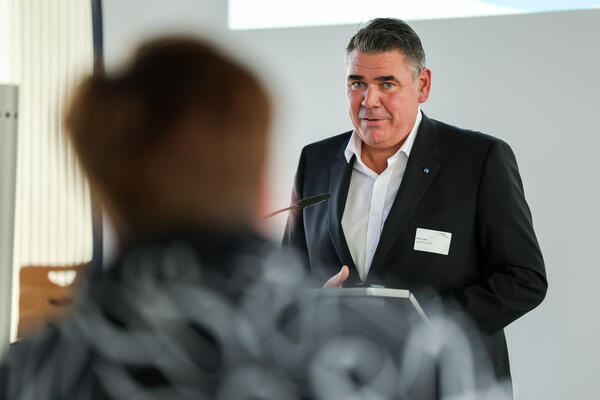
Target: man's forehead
376	64
356	54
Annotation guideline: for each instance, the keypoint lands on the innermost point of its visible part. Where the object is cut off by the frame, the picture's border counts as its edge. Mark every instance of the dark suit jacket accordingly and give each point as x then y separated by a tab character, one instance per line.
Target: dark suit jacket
458	181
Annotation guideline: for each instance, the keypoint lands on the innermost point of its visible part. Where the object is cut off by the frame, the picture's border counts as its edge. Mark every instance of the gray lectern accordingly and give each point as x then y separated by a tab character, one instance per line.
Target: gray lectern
384	341
401	298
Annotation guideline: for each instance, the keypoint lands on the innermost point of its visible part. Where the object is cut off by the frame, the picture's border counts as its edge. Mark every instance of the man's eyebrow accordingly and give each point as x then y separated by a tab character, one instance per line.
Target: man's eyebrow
386	78
379	78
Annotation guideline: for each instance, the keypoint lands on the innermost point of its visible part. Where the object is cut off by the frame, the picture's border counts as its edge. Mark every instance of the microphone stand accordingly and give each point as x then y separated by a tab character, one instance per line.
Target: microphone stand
302	203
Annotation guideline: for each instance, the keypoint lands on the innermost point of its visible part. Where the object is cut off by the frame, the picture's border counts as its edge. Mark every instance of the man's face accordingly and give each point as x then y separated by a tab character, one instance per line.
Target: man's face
384	97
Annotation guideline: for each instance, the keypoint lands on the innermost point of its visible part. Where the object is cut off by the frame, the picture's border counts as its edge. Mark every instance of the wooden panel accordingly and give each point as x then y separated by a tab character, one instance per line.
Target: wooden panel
42	301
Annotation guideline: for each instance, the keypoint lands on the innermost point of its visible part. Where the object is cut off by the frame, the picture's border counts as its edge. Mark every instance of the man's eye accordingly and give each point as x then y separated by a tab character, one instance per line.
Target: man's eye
388	85
357	85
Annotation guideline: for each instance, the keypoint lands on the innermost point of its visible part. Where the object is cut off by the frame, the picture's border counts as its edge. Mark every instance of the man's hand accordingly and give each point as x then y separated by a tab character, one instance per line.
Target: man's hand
339	278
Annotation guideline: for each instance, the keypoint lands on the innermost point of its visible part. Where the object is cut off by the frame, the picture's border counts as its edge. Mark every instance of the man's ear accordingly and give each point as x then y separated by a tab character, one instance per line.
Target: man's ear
424	82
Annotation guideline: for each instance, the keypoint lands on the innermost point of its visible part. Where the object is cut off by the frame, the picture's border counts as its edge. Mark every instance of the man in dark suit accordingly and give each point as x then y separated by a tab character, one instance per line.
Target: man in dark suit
416	203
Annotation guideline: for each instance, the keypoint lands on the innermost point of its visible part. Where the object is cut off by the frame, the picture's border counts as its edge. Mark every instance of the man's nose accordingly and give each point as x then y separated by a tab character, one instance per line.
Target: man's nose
370	98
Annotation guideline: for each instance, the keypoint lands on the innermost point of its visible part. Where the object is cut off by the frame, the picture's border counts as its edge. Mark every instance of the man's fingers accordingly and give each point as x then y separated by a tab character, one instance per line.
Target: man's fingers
343	274
339	278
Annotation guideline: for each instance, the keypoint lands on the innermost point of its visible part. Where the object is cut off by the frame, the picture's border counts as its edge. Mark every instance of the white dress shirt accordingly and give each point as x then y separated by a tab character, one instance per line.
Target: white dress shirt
370	198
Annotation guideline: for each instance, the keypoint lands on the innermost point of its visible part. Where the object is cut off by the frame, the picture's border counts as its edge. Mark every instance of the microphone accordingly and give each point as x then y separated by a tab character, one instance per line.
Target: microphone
302	203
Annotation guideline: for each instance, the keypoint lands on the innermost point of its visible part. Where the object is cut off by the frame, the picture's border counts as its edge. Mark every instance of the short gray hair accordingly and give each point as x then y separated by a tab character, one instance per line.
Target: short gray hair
385	34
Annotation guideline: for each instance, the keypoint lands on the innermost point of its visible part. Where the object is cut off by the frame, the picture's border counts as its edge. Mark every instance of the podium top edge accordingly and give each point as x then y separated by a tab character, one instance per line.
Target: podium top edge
372	292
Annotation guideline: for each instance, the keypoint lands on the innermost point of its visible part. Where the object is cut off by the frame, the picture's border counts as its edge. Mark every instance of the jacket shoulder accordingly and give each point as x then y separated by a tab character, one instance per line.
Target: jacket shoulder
327	147
462	133
451	133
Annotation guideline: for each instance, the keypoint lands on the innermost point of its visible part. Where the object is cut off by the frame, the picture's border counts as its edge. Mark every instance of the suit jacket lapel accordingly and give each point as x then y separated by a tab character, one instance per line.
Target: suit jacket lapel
339	182
420	171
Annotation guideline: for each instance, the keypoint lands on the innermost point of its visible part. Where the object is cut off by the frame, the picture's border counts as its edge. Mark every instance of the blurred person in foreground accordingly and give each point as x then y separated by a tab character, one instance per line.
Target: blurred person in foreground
197	305
174	145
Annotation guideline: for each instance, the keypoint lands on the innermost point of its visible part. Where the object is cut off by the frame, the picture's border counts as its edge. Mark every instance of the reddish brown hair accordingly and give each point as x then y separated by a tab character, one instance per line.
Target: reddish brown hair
179	136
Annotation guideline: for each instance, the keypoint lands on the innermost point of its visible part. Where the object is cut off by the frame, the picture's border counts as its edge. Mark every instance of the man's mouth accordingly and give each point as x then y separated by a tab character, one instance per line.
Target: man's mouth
373	120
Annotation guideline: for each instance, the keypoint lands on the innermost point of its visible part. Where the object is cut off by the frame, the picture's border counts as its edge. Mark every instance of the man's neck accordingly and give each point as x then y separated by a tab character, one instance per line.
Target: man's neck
377	159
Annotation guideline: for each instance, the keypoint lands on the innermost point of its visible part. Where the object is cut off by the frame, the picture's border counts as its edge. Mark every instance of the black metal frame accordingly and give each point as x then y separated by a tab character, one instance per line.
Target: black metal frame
97	225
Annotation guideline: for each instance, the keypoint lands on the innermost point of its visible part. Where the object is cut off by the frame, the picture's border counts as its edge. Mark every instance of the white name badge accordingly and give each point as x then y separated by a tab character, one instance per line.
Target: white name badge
432	241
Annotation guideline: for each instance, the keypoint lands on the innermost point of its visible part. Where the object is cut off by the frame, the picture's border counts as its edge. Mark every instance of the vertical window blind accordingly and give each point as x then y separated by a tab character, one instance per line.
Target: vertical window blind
48	48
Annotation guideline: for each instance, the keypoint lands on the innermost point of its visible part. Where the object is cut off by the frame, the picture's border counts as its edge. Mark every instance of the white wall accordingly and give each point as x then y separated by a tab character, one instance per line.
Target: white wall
530	79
